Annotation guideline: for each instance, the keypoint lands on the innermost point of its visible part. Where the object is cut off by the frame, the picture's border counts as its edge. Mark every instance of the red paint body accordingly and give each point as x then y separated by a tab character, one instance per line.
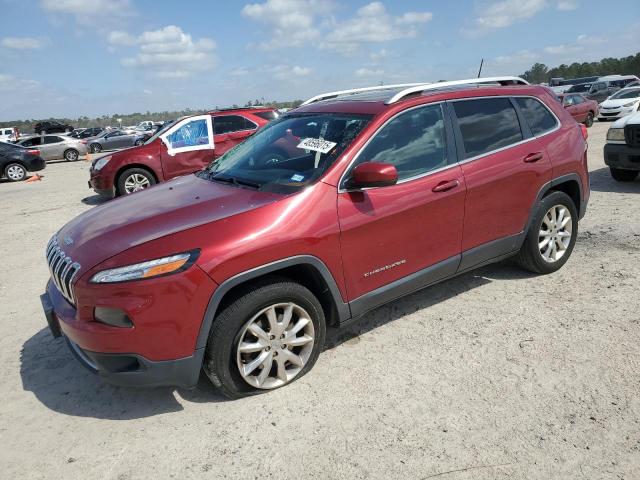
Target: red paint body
411	225
155	158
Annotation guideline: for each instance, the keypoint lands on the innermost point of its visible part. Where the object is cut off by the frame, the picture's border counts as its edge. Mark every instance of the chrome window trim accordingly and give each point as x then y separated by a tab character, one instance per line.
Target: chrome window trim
462	162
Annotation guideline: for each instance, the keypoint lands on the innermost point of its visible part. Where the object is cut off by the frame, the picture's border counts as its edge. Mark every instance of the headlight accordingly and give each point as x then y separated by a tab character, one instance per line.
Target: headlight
630	104
101	162
615	134
152	268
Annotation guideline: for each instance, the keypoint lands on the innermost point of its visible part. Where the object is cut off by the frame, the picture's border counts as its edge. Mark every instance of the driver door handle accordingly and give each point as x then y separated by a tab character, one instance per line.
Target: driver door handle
446	185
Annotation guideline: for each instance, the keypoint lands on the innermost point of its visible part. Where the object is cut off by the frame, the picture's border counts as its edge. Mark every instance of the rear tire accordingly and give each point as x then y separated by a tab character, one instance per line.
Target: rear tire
133	180
95	148
138	143
550	239
620	175
71	155
276	360
15	172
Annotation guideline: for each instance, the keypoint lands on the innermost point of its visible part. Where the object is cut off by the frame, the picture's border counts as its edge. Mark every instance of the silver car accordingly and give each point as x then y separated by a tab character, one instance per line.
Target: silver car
113	139
55	147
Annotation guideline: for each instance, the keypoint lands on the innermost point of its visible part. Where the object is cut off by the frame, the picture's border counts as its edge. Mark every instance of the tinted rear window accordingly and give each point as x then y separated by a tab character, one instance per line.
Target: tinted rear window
540	119
267	115
487	124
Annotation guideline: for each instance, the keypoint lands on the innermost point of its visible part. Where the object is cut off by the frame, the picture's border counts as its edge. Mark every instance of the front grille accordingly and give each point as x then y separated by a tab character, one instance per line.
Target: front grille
63	269
632	135
609	114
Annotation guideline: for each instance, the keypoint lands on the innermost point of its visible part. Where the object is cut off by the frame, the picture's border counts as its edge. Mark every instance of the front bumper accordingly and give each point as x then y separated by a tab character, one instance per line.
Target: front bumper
128	369
606	114
102	185
621	156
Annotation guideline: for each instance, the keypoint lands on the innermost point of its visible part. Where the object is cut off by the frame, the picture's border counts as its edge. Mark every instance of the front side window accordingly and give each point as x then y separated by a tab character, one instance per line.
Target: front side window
414	142
538	117
270	115
190	134
487	124
578	99
32	142
289	153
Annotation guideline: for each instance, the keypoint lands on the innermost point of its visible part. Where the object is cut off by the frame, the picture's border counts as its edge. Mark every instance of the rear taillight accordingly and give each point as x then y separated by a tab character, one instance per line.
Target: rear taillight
84	141
585	133
34	152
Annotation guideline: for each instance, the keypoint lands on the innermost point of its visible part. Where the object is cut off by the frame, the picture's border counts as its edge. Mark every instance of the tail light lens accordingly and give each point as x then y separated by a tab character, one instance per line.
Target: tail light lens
84	141
34	152
585	133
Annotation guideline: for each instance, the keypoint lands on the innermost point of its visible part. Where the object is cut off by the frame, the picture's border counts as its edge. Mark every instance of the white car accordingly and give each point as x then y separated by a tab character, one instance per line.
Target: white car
8	134
622	103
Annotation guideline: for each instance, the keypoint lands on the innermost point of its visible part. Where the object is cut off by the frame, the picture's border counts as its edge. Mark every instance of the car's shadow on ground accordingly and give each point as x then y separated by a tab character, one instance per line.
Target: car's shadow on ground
95	200
49	370
601	181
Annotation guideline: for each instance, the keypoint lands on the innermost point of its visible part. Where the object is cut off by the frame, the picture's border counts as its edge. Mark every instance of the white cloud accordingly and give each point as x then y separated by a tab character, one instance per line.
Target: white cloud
504	13
369	72
287	72
293	22
167	53
372	24
9	83
23	43
85	11
567	4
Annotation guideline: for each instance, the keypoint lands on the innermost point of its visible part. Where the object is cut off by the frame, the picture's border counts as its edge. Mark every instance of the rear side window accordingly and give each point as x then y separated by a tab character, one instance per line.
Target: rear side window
538	117
231	123
52	139
414	142
487	124
267	115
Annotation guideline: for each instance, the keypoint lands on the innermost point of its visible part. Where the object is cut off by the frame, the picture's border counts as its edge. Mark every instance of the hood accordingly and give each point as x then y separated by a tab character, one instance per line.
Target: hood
618	102
166	208
633	119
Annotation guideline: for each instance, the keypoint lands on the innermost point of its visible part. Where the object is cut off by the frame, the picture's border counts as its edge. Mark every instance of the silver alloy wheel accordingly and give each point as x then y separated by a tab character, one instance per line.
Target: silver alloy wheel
16	172
135	183
71	156
275	345
555	233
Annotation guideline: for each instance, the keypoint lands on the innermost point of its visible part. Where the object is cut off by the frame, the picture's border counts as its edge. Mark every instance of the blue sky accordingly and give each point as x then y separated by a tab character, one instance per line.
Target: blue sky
95	57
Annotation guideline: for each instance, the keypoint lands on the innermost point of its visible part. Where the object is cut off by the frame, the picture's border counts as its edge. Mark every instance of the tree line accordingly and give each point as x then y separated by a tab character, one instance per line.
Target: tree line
540	73
131	119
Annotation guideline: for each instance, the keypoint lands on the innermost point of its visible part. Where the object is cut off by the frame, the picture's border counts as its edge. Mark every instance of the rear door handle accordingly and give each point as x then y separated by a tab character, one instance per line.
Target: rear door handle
533	157
445	185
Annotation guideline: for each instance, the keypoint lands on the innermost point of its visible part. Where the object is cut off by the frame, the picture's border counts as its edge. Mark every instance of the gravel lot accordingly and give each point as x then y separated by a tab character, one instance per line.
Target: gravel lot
495	374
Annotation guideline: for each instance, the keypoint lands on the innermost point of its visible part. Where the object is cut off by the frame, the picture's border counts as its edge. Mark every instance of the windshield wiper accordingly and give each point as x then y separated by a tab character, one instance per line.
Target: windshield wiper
235	181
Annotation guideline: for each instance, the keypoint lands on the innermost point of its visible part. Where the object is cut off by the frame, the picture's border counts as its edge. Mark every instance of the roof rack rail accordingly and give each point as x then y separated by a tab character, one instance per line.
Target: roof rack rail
439	85
325	96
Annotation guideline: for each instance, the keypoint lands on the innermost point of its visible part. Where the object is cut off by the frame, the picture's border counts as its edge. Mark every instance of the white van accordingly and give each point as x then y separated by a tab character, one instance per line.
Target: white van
9	134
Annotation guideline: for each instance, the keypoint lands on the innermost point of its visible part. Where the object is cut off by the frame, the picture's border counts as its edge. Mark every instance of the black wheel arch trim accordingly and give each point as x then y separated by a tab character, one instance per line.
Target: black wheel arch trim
549	186
342	308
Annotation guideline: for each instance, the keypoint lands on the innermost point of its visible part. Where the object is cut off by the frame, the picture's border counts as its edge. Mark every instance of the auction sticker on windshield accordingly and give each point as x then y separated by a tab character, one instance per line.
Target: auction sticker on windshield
317	145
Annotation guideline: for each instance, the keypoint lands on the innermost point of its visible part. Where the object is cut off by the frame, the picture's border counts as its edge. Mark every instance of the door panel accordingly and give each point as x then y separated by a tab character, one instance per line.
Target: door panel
188	146
390	232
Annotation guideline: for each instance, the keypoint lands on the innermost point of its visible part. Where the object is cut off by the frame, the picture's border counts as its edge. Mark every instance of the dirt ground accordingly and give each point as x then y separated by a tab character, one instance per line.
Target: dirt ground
494	374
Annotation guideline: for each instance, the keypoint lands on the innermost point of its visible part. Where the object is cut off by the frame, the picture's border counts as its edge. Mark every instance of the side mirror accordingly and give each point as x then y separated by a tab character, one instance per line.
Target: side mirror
372	174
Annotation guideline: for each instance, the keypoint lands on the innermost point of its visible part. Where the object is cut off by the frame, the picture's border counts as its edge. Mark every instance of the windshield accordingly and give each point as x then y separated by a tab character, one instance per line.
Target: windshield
160	132
580	88
630	93
289	153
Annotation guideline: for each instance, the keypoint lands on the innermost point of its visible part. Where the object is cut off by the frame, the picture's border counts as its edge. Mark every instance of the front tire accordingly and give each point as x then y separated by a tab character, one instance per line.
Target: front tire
15	172
551	236
134	180
268	337
589	120
71	155
620	175
138	143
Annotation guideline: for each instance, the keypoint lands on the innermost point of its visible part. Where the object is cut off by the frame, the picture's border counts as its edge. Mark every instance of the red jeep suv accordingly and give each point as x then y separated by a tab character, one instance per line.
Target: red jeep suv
183	147
350	201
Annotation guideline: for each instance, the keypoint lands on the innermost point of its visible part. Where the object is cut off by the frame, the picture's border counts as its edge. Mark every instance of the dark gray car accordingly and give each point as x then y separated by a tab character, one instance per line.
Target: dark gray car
598	91
114	139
